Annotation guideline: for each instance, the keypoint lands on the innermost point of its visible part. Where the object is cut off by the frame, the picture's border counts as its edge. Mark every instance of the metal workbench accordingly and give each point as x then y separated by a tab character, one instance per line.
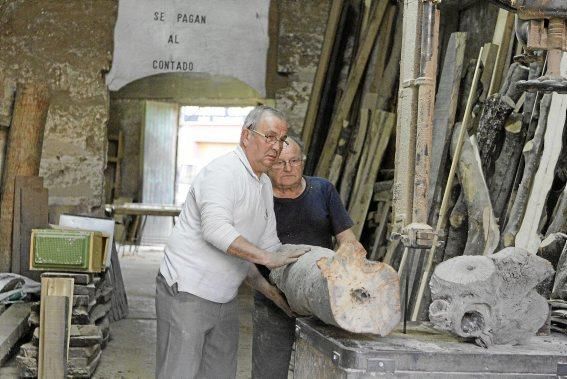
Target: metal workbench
326	352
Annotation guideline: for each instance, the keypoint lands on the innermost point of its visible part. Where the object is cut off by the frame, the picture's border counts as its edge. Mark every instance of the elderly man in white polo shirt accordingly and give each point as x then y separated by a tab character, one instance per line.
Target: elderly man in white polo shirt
226	226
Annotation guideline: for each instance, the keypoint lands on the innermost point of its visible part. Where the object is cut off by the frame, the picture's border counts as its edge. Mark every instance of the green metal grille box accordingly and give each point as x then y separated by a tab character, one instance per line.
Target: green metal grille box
67	250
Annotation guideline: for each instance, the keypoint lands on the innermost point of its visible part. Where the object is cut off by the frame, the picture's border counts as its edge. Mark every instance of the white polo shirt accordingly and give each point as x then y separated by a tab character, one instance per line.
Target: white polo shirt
226	200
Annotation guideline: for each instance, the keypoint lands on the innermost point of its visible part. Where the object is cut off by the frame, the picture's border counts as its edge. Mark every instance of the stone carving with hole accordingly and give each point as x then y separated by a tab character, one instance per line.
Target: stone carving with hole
490	299
342	289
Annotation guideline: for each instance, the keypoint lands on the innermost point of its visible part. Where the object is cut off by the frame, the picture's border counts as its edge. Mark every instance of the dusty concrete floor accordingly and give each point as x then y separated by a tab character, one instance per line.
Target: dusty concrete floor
131	353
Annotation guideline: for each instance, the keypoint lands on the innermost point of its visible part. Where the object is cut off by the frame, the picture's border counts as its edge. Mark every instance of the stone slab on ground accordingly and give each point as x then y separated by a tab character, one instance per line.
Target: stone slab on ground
13	325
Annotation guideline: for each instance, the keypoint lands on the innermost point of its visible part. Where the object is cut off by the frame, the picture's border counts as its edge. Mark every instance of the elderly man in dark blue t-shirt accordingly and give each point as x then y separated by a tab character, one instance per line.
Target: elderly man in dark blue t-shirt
308	211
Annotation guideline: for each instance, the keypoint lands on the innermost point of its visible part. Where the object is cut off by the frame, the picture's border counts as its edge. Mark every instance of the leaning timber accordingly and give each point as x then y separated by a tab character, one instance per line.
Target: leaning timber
342	289
483	235
23	156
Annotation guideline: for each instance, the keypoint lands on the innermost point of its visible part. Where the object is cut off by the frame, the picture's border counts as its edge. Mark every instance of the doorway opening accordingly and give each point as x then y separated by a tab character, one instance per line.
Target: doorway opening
204	133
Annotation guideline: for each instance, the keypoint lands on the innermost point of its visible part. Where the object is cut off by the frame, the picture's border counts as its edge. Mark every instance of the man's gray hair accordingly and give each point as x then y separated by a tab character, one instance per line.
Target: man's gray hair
256	114
295	138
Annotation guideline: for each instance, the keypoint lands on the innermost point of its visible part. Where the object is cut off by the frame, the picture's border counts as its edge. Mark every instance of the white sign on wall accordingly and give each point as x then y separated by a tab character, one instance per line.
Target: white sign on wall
225	37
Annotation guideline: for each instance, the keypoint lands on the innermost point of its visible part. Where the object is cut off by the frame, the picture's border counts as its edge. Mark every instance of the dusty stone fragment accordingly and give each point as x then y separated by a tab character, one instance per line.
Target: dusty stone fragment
342	289
491	299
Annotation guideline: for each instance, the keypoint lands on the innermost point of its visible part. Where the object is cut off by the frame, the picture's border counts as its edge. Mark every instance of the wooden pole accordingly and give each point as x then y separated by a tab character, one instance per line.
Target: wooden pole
23	156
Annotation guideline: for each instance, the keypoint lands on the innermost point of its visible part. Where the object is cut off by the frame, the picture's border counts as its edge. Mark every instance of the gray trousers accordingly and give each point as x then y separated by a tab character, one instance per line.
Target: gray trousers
196	338
272	341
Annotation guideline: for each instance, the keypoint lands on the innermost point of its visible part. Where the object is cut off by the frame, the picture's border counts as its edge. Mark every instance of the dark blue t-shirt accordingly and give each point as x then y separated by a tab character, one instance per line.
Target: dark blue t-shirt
313	218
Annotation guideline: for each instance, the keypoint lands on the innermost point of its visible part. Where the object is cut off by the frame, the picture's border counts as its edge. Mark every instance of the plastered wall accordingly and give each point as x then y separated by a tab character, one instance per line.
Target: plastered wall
68	45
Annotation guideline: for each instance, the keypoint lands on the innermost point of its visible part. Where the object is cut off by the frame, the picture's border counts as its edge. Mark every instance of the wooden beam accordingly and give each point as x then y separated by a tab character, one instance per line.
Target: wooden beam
322	68
353	82
532	153
377	146
528	234
23	156
119	309
483	234
30	212
387	88
489	56
54	289
54	343
444	116
380	230
353	157
502	37
382	43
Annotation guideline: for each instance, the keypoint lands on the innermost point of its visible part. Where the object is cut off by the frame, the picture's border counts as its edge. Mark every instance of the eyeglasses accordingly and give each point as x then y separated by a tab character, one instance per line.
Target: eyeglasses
292	162
271	139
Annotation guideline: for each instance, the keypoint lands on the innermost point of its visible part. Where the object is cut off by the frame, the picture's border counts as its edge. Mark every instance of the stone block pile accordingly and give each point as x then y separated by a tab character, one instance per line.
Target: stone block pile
90	327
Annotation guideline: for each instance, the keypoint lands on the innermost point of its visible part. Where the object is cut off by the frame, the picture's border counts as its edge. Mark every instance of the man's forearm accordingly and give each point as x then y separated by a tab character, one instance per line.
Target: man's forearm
243	249
255	280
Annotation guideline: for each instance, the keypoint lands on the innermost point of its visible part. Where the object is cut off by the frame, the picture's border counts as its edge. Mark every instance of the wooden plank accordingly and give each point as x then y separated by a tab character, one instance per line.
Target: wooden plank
57	287
119	300
22	157
53	338
353	82
502	33
30	212
362	198
528	234
488	59
388	85
382	43
445	111
322	68
13	326
354	156
372	136
380	230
